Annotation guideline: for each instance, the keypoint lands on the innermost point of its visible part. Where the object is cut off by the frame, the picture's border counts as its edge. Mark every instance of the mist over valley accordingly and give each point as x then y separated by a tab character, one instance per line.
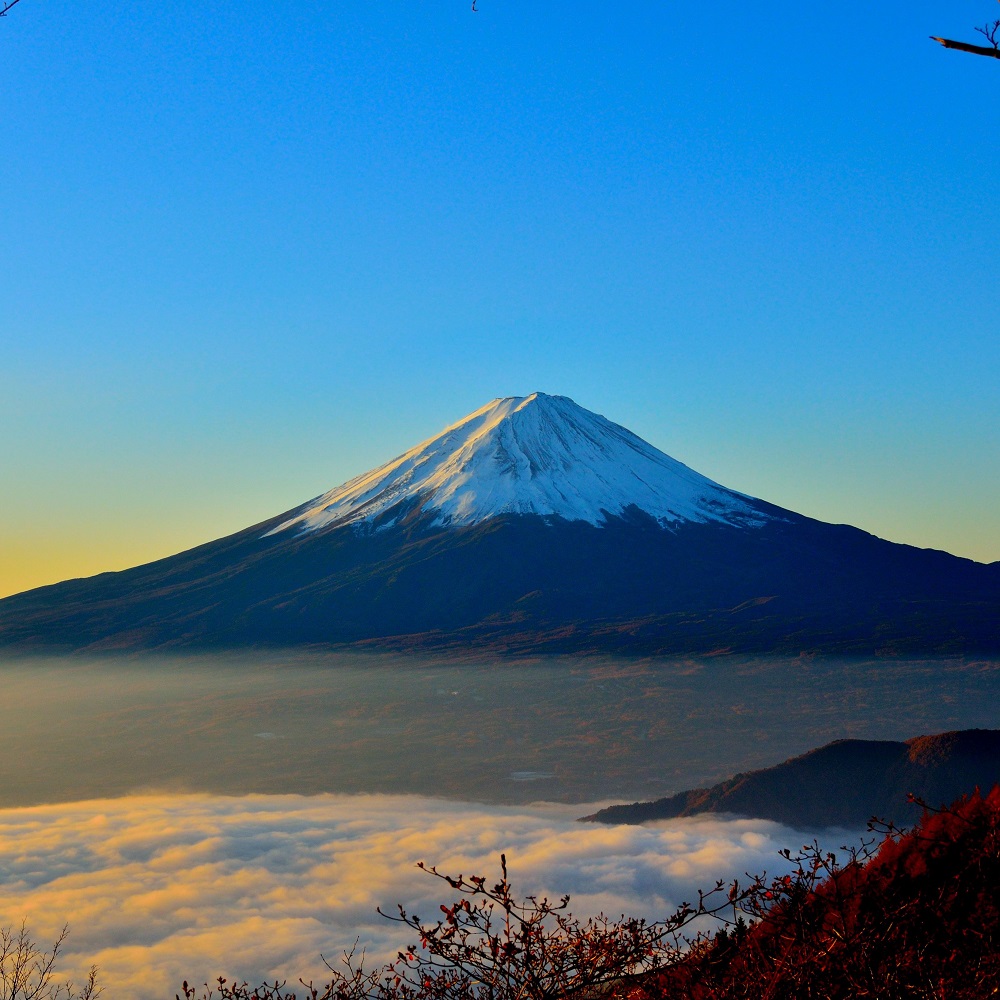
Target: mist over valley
197	815
553	729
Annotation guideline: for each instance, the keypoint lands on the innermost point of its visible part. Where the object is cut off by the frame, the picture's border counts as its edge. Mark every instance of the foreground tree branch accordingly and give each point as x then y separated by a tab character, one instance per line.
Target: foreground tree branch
989	31
27	971
490	944
7	7
979	50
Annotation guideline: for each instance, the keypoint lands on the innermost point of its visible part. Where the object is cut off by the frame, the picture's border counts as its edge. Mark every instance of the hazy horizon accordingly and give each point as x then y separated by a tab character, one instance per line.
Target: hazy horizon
559	729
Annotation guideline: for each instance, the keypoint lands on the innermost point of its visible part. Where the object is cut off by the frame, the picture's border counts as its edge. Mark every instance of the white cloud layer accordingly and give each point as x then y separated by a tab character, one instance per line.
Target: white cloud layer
162	888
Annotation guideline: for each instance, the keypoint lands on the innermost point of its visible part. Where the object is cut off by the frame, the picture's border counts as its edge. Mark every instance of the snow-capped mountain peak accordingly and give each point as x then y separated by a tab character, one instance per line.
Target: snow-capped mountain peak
536	454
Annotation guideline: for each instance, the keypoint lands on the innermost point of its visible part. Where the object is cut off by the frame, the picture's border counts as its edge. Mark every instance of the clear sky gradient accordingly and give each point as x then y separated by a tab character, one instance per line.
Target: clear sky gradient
251	250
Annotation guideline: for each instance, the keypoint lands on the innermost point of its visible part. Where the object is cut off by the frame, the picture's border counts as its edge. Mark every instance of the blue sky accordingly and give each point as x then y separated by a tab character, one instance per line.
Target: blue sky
252	250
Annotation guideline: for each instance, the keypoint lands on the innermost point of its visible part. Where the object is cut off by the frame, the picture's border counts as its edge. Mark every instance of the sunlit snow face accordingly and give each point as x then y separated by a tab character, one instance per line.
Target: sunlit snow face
534	454
159	889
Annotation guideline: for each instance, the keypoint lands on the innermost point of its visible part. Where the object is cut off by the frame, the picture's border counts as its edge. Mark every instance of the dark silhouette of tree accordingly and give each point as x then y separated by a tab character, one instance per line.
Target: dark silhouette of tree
27	971
989	31
7	6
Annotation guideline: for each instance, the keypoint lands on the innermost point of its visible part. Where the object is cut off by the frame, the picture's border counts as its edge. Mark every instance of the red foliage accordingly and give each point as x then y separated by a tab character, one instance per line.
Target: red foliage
918	916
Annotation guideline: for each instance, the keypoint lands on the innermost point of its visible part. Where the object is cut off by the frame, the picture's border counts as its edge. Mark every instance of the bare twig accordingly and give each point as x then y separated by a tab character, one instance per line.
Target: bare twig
990	33
27	972
7	6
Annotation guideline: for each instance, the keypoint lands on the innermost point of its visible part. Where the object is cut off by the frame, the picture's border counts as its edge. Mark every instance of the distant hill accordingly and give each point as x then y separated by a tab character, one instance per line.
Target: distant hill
844	783
531	526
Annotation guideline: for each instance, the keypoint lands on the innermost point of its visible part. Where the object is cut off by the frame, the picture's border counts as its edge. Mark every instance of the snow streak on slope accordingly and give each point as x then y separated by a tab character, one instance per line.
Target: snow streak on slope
534	454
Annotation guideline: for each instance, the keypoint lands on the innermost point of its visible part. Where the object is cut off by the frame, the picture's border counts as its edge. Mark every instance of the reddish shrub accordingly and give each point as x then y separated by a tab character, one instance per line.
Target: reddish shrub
917	917
915	914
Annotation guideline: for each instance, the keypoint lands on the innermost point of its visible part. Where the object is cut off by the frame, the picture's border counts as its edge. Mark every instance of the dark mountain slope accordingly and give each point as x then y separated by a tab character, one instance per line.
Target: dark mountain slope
527	582
842	784
531	525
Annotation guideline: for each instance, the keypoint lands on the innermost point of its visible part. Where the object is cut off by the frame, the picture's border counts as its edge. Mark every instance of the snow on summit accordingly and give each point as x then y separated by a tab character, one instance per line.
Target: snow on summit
534	454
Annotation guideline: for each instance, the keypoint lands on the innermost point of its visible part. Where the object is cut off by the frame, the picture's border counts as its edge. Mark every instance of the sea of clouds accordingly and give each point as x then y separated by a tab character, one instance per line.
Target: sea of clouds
158	889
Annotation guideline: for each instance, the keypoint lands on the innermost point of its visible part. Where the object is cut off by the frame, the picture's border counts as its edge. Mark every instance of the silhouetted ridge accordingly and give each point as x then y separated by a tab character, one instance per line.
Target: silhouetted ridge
844	783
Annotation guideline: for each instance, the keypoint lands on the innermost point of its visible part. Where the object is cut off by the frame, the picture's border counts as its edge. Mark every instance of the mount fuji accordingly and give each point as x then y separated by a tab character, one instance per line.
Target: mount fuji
532	525
536	454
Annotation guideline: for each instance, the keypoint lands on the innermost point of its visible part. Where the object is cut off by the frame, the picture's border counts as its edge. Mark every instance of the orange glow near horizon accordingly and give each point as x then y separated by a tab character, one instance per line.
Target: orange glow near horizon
38	561
36	558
